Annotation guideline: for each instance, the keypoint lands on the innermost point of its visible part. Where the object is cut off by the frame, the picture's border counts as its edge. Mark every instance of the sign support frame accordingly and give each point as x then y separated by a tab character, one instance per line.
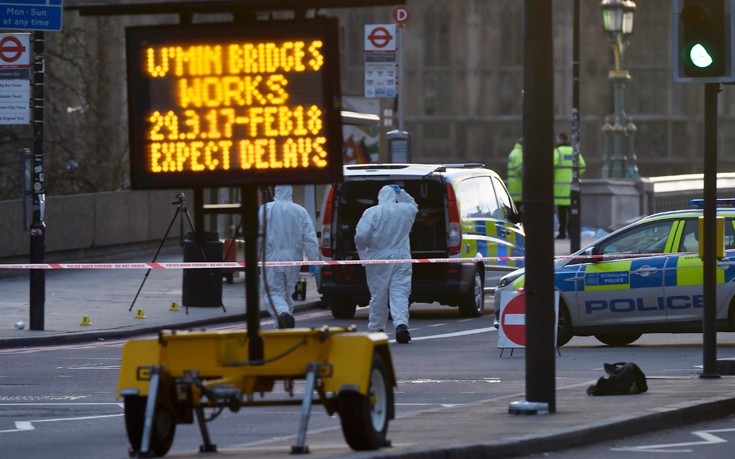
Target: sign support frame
38	226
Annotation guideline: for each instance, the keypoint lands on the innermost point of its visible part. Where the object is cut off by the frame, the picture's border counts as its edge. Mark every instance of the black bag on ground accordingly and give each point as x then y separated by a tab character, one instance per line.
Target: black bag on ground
624	378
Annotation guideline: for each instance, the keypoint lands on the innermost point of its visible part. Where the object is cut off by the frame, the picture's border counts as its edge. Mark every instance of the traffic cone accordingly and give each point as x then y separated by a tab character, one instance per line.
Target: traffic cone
85	321
139	314
174	307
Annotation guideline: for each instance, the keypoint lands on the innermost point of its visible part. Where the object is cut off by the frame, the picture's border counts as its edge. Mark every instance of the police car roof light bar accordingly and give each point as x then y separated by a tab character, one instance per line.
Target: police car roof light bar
699	203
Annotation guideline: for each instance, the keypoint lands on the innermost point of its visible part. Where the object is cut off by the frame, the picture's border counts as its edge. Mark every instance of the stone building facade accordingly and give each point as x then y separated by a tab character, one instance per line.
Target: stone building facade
464	77
463	80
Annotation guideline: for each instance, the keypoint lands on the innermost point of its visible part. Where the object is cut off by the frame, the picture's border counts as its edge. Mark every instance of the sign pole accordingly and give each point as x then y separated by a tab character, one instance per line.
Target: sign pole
538	136
575	217
400	16
38	227
401	79
709	236
249	196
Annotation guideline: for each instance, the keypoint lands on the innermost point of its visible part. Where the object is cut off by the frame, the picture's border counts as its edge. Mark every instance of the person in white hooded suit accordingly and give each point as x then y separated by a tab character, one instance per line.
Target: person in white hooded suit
289	235
383	234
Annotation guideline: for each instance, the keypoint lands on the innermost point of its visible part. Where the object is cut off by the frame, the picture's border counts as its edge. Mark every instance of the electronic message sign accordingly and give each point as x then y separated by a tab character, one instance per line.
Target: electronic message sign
219	105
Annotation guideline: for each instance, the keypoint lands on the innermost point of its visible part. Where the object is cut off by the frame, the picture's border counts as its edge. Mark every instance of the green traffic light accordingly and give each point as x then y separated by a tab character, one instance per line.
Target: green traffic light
700	57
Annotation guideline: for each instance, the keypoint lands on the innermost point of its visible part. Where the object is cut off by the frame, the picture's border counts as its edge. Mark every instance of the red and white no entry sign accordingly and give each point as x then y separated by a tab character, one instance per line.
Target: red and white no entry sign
512	330
380	38
513	320
14	50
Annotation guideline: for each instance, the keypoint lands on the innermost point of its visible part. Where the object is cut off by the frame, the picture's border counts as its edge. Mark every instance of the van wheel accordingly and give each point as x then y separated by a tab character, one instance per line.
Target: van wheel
343	307
617	339
472	303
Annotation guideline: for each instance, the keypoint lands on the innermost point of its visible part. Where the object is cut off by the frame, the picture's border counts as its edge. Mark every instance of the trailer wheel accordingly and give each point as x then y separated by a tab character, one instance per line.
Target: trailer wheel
365	418
164	425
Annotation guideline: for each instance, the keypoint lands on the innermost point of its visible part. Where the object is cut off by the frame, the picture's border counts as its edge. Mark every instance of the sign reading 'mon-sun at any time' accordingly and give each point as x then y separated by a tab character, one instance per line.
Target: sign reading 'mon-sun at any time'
215	105
41	15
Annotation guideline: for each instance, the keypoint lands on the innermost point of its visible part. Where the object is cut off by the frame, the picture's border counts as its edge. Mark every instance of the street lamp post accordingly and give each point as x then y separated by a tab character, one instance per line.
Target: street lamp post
619	156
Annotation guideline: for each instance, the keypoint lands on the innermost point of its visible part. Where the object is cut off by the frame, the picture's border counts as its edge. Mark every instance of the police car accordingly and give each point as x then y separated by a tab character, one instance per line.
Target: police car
644	278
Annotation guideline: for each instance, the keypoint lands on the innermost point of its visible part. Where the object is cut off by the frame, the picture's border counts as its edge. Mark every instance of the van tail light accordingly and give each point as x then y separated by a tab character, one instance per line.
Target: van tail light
326	243
455	228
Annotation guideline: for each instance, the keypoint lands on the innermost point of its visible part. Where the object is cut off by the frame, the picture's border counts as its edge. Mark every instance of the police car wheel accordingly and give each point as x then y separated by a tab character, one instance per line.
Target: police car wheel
731	315
617	339
564	326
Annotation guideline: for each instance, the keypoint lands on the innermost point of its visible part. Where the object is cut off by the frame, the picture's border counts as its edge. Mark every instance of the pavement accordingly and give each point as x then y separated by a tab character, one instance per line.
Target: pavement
91	305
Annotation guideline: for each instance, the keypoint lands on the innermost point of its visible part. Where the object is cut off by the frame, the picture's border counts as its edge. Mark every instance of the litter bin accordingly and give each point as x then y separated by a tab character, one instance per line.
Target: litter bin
202	287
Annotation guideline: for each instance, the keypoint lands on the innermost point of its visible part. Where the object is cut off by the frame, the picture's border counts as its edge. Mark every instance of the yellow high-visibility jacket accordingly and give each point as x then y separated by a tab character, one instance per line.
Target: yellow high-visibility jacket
563	174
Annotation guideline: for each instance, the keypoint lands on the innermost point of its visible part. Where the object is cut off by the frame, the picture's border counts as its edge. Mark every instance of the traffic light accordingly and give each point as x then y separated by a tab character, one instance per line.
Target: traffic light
703	41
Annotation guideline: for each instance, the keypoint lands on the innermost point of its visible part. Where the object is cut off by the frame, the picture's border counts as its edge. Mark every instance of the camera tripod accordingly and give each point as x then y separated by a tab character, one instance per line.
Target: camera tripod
181	212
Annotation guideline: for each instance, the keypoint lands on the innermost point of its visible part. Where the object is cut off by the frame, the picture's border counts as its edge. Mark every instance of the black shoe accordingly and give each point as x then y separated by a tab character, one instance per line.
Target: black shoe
561	236
285	320
402	335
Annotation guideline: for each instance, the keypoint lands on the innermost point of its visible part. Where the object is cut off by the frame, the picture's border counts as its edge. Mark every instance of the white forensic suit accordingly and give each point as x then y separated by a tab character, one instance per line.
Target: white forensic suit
383	233
290	235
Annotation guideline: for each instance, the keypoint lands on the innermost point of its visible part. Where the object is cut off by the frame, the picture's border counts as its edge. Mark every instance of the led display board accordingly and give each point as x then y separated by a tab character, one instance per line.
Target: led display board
220	105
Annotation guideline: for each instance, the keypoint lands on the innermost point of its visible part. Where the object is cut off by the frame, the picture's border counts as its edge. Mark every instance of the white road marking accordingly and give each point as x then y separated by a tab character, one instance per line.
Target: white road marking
21	426
45	398
442	381
264	322
707	436
62	347
443	405
92	366
453	335
62	404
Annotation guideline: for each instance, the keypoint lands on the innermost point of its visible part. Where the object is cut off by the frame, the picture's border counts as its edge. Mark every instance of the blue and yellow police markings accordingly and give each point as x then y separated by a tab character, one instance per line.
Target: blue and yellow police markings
606	276
491	238
683	287
624	274
684	270
566	278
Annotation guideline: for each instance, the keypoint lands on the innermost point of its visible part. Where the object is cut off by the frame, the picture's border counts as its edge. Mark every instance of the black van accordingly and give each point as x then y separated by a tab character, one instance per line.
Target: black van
465	212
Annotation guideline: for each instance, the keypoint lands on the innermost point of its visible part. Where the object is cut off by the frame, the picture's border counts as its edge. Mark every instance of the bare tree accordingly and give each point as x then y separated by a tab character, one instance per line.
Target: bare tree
85	122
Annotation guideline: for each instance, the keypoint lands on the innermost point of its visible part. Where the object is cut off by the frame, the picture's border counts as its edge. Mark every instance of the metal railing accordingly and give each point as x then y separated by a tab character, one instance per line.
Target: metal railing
674	192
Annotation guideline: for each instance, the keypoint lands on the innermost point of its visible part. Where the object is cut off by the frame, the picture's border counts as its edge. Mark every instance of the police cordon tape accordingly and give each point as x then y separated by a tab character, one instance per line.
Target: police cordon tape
239	264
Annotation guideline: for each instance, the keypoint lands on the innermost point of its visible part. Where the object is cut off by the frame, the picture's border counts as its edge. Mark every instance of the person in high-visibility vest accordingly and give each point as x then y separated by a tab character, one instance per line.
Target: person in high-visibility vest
515	174
562	181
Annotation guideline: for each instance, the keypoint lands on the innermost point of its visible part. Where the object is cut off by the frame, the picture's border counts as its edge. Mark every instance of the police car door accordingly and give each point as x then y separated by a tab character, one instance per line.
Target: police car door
625	287
684	274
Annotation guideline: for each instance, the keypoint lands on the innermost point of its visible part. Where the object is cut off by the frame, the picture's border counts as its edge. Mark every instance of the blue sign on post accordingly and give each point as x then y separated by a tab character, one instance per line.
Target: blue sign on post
31	15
